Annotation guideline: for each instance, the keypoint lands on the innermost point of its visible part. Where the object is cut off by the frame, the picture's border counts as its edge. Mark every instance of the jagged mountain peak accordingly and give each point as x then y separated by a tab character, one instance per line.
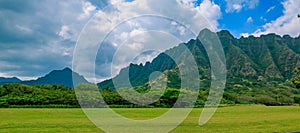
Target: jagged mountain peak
269	56
225	34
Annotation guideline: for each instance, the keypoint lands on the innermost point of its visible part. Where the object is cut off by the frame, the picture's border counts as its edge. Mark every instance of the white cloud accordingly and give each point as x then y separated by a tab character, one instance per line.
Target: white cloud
245	34
250	20
65	32
131	21
24	29
170	8
288	23
262	18
3	75
48	30
238	5
270	9
211	11
87	8
133	49
174	23
51	29
181	30
148	57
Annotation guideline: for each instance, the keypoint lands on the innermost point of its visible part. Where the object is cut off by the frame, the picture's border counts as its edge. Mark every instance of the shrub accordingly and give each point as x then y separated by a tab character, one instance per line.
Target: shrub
266	100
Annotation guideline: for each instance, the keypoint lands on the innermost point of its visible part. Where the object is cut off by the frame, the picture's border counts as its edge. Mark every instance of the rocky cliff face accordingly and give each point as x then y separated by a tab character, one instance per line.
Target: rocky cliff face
269	57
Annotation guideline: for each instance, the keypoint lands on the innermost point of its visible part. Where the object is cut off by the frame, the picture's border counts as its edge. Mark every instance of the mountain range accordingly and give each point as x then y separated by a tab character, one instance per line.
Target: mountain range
58	77
9	80
266	59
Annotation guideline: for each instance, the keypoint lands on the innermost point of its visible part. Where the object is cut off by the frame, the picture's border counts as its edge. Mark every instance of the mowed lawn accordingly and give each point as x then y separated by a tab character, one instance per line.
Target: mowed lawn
244	118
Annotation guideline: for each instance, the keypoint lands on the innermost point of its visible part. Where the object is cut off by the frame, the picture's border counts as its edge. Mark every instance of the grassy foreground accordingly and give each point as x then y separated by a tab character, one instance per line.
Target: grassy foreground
250	118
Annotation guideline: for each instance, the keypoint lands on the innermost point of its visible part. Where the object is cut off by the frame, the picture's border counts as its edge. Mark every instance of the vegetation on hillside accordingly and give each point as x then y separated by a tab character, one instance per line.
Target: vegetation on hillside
296	79
19	95
268	59
35	96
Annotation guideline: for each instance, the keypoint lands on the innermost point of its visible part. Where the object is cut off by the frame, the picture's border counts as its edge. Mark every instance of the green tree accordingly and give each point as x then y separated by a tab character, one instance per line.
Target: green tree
296	79
297	99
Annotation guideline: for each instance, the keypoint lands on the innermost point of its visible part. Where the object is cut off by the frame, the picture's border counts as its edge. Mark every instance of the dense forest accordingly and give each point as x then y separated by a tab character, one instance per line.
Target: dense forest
57	96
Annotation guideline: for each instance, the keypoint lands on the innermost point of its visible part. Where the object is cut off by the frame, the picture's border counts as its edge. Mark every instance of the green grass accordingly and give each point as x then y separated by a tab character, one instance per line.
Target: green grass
245	118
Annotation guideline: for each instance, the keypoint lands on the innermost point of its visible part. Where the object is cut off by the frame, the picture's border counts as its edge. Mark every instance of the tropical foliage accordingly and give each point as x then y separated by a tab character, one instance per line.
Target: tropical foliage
296	79
19	95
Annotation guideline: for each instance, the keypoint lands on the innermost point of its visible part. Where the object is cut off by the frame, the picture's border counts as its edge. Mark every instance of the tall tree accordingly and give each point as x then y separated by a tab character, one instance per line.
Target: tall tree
296	79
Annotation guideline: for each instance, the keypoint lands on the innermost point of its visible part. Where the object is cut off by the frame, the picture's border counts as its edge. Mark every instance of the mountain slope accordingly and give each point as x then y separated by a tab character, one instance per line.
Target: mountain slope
272	54
58	77
9	80
269	58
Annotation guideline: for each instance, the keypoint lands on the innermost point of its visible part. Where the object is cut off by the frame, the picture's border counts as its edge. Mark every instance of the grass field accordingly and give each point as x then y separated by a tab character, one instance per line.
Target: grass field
246	118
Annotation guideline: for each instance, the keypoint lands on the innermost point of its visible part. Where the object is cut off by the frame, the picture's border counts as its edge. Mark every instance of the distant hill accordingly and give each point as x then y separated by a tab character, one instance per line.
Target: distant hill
58	77
266	59
9	80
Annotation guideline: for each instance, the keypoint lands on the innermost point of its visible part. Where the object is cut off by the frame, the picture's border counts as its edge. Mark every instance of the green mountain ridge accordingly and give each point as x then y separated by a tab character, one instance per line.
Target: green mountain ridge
58	77
264	59
9	80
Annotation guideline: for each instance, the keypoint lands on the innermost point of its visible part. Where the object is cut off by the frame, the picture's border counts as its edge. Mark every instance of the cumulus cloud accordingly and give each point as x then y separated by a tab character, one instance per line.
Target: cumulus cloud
172	9
288	23
211	11
88	9
132	21
238	5
39	36
146	56
65	32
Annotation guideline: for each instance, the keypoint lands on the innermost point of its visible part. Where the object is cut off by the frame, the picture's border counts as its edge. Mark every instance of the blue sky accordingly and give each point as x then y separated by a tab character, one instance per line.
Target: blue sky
39	36
248	20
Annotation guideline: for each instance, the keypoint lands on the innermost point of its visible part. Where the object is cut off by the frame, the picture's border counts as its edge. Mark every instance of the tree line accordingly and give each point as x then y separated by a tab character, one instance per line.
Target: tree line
237	92
19	95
